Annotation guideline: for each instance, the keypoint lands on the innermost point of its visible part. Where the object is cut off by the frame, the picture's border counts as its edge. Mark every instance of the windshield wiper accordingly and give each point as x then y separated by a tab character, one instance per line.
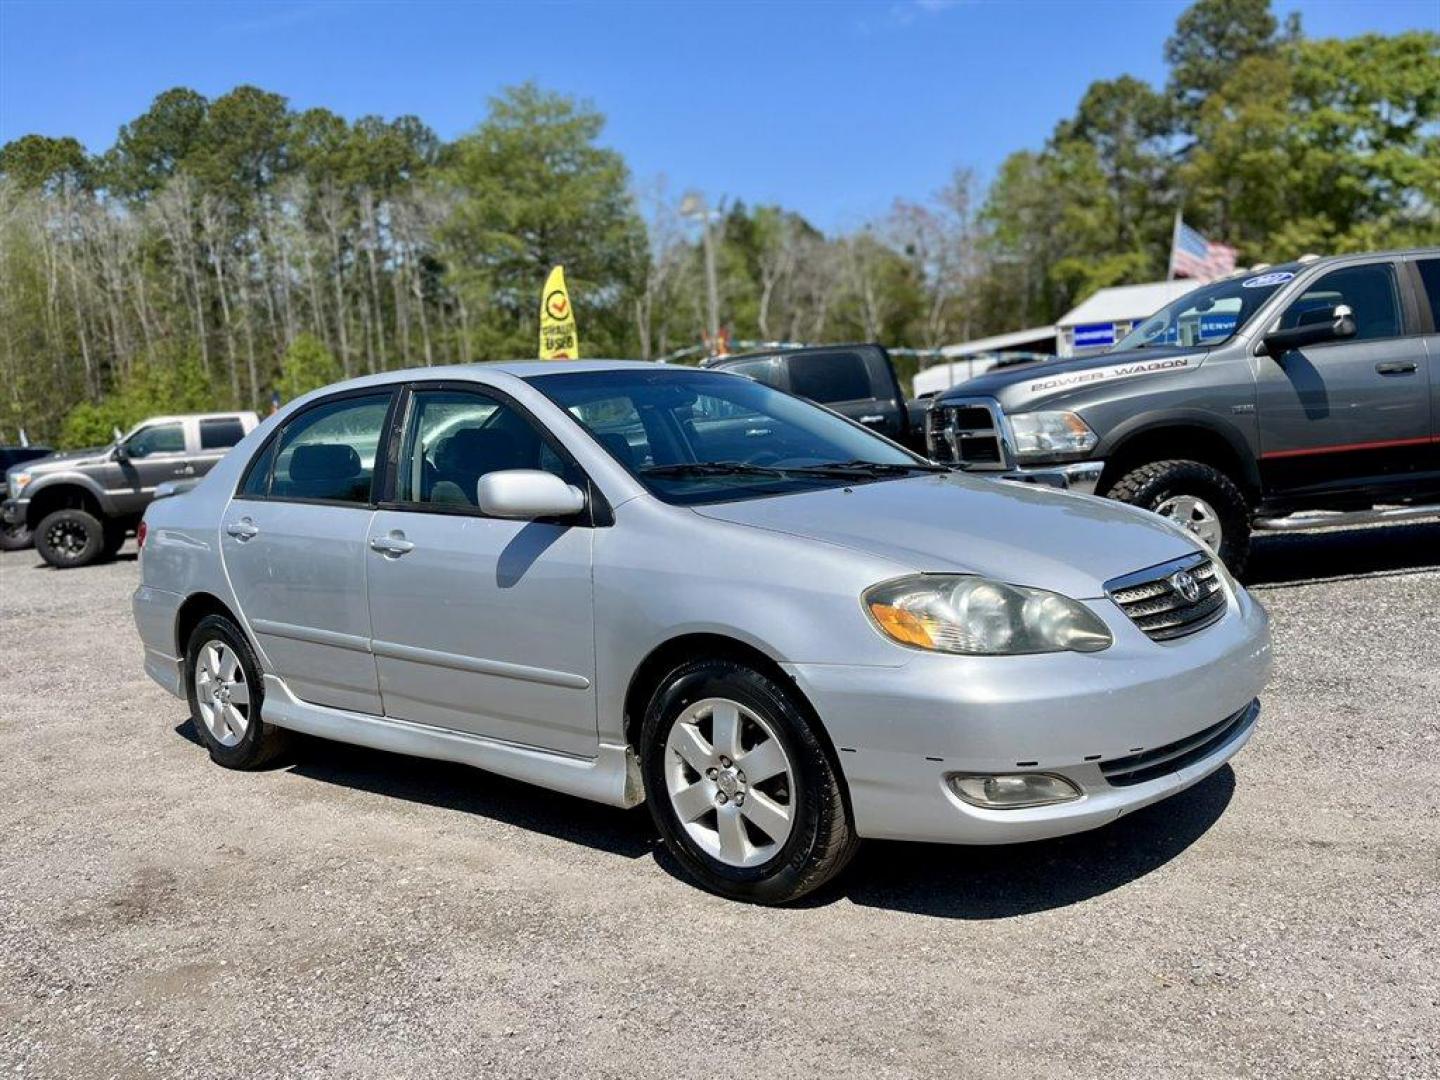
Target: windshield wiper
711	468
868	468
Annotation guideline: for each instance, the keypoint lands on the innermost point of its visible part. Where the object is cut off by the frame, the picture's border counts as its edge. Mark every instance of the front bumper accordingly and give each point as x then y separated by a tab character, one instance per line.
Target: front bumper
1081	476
902	732
12	511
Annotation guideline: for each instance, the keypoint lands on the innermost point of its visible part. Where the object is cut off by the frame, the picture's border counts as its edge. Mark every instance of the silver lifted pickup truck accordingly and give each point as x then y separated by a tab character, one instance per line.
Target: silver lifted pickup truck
1302	395
80	506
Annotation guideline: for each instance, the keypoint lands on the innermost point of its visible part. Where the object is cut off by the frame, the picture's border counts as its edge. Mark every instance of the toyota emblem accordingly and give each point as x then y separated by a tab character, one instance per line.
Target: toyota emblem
1184	583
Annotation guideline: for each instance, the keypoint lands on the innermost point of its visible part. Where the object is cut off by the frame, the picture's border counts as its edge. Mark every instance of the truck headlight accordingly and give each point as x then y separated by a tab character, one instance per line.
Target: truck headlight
1039	434
974	616
17	480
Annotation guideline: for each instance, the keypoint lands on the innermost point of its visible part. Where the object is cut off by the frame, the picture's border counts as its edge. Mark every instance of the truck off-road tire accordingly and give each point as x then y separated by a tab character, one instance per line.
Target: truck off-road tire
14	537
1197	496
223	684
70	538
766	836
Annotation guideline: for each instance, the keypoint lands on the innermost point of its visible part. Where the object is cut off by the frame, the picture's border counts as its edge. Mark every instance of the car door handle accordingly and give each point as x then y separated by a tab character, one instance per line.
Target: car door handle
243	530
874	418
1395	367
185	470
392	546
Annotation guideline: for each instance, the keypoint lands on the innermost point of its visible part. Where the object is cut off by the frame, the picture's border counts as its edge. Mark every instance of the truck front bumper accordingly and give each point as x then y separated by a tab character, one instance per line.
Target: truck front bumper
12	512
1125	727
1081	476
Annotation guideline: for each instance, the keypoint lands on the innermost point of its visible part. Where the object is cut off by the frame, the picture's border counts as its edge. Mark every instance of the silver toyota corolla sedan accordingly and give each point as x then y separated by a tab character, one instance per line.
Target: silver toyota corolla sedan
633	582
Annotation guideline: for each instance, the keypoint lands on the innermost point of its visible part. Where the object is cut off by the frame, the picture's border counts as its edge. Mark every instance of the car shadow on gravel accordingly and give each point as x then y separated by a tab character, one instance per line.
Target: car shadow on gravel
1021	879
1279	560
467	790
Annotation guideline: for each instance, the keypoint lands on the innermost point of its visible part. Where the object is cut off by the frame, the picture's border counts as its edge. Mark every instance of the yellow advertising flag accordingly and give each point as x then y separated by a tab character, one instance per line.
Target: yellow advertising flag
558	340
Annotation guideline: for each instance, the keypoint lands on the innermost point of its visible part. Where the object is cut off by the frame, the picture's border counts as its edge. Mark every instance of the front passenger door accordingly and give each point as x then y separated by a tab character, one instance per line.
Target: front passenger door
152	455
1349	413
480	624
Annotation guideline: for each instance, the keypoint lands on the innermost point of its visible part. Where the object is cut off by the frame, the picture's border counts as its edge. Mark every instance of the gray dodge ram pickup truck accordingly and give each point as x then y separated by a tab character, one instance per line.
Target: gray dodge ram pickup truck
1297	395
81	505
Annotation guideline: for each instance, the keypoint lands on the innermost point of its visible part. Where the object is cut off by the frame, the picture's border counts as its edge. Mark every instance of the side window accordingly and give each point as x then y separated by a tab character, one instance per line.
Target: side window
221	432
156	439
1368	290
766	371
454	437
829	377
256	484
1430	275
328	453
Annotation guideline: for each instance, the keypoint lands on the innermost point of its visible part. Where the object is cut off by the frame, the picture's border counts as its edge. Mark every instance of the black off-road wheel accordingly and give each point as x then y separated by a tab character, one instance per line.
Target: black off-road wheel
740	786
225	690
1199	498
70	538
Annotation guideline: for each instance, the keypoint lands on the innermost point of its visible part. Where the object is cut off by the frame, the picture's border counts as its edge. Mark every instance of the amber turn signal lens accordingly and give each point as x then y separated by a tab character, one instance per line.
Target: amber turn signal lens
902	625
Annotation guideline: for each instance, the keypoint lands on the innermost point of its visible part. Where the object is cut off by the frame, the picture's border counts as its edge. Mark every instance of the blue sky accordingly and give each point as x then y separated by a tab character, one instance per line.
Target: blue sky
830	108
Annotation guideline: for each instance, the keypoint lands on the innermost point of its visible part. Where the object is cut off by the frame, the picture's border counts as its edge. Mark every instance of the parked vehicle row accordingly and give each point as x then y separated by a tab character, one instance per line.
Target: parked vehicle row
640	583
1305	394
80	506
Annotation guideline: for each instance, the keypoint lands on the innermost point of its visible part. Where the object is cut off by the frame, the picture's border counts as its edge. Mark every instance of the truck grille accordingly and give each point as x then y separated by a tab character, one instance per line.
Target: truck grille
1172	600
966	433
1172	757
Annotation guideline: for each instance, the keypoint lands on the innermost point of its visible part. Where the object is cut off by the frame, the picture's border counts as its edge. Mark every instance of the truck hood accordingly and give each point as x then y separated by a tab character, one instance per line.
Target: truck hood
66	460
1018	533
1027	386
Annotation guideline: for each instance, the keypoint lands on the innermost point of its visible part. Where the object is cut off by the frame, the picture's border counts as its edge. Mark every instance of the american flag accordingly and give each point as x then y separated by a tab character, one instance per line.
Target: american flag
1192	256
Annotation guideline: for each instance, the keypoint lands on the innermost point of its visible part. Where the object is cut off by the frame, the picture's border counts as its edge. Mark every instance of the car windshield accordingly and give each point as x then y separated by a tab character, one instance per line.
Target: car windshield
1208	315
708	436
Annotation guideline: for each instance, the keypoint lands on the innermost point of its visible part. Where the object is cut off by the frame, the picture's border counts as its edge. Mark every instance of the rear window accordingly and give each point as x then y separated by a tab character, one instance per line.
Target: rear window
223	432
1430	274
827	377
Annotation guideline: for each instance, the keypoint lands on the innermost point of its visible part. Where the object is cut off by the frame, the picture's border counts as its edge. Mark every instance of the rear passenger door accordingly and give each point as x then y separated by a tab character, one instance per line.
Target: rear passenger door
1350	413
1427	283
293	539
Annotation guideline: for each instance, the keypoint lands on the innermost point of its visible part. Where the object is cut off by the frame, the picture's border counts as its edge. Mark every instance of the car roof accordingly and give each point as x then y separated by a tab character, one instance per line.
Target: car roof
520	369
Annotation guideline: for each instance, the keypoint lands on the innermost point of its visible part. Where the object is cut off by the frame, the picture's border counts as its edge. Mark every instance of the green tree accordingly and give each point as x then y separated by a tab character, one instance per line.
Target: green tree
41	163
150	149
1211	39
307	365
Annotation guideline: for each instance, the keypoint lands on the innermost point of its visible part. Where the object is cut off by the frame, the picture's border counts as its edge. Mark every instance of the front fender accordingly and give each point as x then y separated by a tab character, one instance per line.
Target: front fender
36	497
1113	442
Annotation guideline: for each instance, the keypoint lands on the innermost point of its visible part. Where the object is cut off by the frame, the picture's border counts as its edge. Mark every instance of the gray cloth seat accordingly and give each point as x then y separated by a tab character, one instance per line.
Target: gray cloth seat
464	457
327	471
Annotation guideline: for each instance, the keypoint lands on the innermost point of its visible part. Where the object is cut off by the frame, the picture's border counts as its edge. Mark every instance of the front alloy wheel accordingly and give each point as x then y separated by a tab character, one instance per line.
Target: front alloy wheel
743	791
730	782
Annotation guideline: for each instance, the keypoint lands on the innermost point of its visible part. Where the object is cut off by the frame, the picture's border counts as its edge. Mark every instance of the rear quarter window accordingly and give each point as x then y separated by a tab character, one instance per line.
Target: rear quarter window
830	377
220	433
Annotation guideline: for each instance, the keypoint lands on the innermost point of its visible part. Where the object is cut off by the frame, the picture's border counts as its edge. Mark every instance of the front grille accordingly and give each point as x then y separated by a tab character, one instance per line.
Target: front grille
966	433
1155	599
1172	757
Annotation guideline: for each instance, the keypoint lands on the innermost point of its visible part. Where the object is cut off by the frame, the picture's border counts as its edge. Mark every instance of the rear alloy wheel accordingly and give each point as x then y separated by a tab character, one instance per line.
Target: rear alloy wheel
740	786
226	693
14	537
70	538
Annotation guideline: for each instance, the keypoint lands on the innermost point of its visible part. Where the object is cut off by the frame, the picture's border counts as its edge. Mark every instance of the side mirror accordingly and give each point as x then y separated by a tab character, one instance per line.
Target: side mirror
120	454
1339	325
526	494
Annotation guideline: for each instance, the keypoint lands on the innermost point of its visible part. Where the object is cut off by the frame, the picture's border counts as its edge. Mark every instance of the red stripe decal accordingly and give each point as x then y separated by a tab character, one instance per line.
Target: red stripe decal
1340	448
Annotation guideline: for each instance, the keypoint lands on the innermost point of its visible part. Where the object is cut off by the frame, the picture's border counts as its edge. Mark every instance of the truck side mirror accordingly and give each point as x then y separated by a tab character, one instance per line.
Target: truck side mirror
120	454
1339	325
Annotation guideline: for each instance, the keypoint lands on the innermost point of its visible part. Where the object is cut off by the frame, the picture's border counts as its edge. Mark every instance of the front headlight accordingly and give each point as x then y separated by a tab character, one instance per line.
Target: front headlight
17	480
1040	434
974	616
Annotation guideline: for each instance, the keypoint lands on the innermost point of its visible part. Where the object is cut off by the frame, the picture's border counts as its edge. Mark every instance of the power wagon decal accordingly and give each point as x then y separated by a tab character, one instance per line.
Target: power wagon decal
1115	371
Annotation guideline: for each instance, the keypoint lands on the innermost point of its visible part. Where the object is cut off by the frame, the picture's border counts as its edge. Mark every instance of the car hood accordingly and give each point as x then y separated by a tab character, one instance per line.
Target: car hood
1026	386
1015	532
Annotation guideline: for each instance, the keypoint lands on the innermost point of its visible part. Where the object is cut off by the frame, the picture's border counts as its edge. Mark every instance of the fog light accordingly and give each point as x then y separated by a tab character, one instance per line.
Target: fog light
1014	791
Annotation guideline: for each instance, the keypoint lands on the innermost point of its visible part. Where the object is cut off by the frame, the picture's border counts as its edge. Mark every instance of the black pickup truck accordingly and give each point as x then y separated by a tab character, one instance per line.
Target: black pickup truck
857	381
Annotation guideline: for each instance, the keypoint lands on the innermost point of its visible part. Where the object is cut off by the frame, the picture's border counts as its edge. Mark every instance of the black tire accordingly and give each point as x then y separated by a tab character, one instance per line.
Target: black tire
261	742
1150	485
14	537
70	538
822	838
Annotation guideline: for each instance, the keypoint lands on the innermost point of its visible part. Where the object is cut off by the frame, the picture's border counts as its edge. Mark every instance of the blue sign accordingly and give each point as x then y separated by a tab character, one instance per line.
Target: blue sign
1096	334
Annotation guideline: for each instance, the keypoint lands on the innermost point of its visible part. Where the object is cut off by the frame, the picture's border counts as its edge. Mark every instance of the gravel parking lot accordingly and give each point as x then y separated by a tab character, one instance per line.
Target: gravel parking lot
353	913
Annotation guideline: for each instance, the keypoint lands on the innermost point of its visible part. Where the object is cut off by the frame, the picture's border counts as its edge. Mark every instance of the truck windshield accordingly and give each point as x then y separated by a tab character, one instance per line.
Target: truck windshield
708	436
1209	315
